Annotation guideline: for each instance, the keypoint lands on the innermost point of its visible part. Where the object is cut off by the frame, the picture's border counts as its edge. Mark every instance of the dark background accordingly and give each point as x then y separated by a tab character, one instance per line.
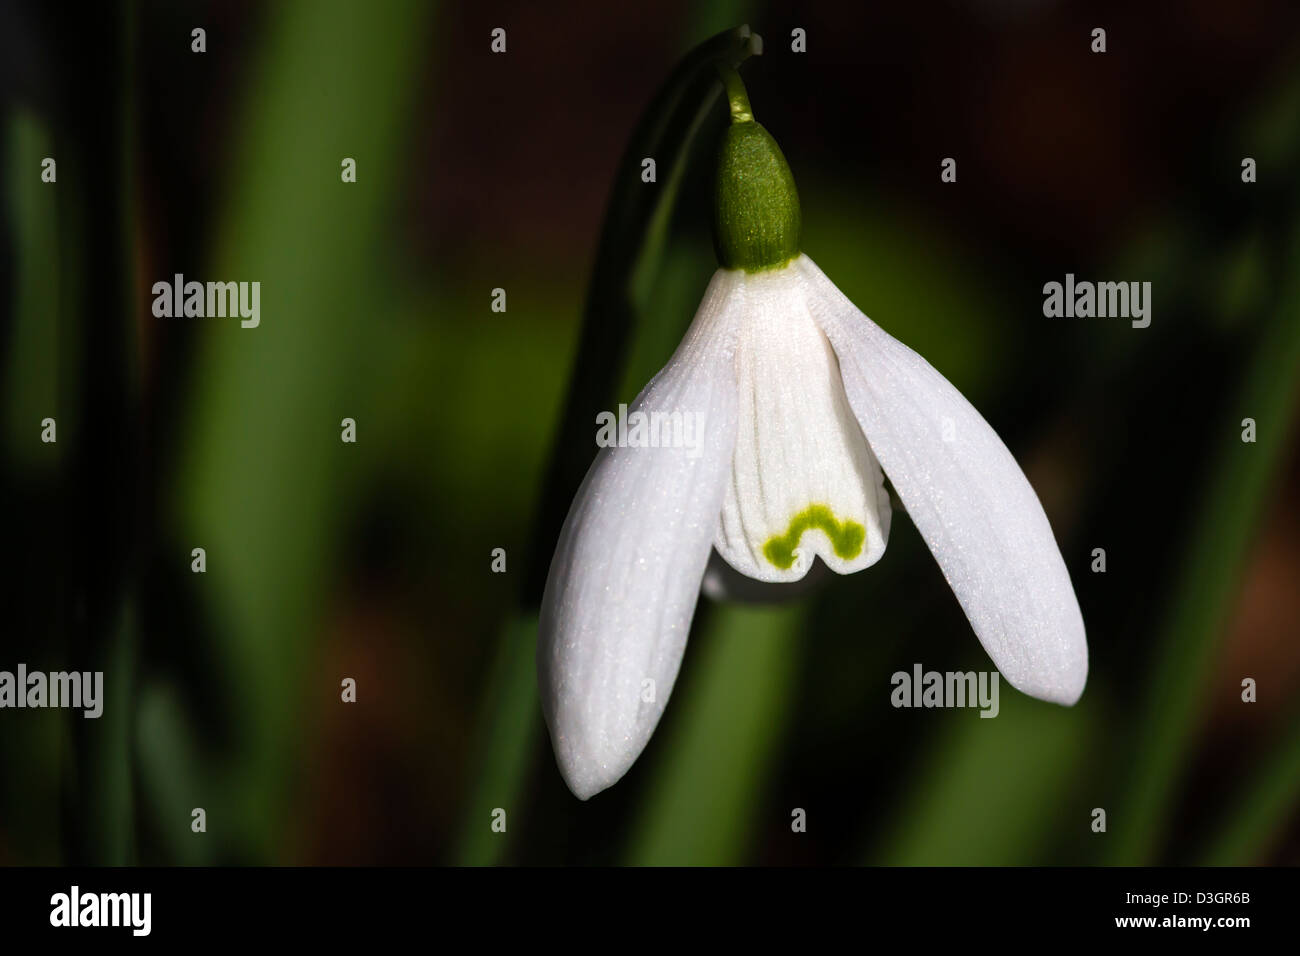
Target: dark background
372	560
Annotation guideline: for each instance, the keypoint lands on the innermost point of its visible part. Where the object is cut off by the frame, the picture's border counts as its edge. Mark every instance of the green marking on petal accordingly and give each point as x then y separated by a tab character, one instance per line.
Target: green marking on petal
846	536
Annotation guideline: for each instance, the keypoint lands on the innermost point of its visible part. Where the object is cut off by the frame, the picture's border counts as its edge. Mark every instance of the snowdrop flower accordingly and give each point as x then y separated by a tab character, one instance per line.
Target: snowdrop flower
803	402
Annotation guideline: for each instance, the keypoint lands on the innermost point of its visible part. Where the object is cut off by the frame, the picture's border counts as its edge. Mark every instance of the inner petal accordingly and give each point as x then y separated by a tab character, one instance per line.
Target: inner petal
804	482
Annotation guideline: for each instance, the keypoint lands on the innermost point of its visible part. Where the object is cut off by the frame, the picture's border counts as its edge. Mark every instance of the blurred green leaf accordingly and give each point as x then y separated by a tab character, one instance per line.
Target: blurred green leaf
107	817
174	780
730	713
995	790
507	732
263	485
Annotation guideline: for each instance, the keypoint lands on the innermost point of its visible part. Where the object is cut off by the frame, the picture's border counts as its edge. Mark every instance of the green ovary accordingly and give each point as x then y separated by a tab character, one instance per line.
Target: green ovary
846	536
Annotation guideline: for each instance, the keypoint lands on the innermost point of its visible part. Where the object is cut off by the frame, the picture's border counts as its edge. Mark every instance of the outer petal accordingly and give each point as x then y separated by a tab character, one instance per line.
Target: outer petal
968	498
626	574
804	482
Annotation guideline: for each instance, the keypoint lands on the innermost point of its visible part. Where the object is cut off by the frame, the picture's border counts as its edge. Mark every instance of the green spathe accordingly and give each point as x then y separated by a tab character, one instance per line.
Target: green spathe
756	208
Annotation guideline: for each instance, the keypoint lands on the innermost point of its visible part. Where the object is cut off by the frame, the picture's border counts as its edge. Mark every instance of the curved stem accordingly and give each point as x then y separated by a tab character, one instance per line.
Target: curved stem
737	96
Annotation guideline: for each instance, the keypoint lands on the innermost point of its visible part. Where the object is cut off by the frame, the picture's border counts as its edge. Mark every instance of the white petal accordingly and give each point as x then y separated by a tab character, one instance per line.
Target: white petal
804	481
626	573
968	498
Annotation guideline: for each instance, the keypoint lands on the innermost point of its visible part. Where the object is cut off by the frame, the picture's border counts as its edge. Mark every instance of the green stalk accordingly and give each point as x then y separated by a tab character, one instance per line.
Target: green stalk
628	266
723	734
629	255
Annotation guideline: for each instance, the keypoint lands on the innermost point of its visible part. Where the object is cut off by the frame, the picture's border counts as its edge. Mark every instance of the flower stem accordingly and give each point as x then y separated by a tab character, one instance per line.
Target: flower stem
737	96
